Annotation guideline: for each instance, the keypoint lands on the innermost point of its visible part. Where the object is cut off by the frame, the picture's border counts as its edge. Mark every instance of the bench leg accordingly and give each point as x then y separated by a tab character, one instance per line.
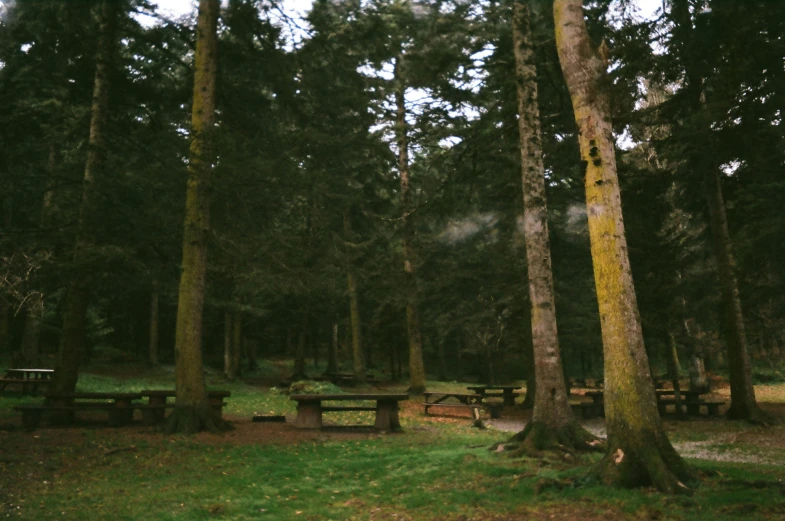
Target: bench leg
387	415
713	409
150	416
693	409
309	415
509	398
117	417
31	418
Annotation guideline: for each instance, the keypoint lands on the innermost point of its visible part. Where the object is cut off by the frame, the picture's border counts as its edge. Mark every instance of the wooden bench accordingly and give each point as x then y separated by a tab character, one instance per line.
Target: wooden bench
32	414
310	408
505	392
587	410
26	385
154	411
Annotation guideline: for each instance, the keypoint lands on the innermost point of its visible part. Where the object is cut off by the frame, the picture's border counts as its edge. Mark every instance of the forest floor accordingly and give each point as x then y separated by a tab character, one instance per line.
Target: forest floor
439	468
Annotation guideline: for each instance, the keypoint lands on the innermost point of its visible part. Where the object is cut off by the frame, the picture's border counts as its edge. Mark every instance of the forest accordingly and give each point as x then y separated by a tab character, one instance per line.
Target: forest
421	189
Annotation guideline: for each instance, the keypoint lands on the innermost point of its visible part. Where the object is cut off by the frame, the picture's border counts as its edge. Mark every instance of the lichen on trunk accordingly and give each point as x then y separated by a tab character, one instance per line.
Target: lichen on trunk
638	451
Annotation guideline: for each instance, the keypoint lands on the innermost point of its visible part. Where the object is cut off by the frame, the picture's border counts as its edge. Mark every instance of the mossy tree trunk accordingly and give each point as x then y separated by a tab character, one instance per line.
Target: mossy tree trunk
75	306
638	451
192	410
552	423
416	362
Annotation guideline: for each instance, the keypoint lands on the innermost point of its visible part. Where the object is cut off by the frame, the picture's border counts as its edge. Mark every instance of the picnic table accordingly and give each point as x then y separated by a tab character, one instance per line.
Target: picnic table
310	408
155	409
691	399
29	380
119	407
507	392
471	401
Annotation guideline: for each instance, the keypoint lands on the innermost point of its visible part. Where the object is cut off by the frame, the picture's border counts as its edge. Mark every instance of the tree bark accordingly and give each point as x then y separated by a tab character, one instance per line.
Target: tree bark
358	358
32	331
332	353
416	363
299	355
192	410
75	307
743	403
153	345
237	344
638	450
5	328
228	330
672	358
552	423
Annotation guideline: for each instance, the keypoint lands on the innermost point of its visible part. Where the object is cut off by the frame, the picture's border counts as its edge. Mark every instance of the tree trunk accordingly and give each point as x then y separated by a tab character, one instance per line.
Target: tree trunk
237	344
299	355
638	451
332	353
552	423
743	404
32	328
192	410
153	345
250	353
442	359
32	331
672	357
228	331
5	328
358	359
76	300
416	363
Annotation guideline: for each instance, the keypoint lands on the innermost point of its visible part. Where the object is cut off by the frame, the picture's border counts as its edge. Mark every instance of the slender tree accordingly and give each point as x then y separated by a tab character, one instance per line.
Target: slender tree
638	451
358	358
552	423
192	410
416	363
76	301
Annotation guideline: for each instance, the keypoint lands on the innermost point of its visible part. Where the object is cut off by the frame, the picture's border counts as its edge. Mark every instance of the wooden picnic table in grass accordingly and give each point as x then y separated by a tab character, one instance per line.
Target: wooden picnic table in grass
468	401
28	380
119	407
157	403
690	399
310	408
507	392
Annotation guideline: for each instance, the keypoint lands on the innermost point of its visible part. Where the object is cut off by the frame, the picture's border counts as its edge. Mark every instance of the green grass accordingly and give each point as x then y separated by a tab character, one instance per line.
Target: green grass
432	471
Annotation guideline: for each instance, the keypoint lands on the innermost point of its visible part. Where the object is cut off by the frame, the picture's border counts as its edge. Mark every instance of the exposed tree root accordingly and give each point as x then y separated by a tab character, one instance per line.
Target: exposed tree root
190	420
656	464
537	438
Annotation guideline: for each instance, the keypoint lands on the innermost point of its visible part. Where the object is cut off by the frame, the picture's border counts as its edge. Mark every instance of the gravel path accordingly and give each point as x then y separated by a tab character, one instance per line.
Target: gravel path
705	450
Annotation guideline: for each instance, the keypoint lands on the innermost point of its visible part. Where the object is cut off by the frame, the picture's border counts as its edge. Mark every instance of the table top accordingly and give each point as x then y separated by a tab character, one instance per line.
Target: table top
448	393
663	392
29	371
494	387
96	396
363	396
171	393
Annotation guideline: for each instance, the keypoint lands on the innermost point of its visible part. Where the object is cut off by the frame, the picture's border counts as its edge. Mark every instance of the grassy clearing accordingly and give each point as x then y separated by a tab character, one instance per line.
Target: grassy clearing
436	470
